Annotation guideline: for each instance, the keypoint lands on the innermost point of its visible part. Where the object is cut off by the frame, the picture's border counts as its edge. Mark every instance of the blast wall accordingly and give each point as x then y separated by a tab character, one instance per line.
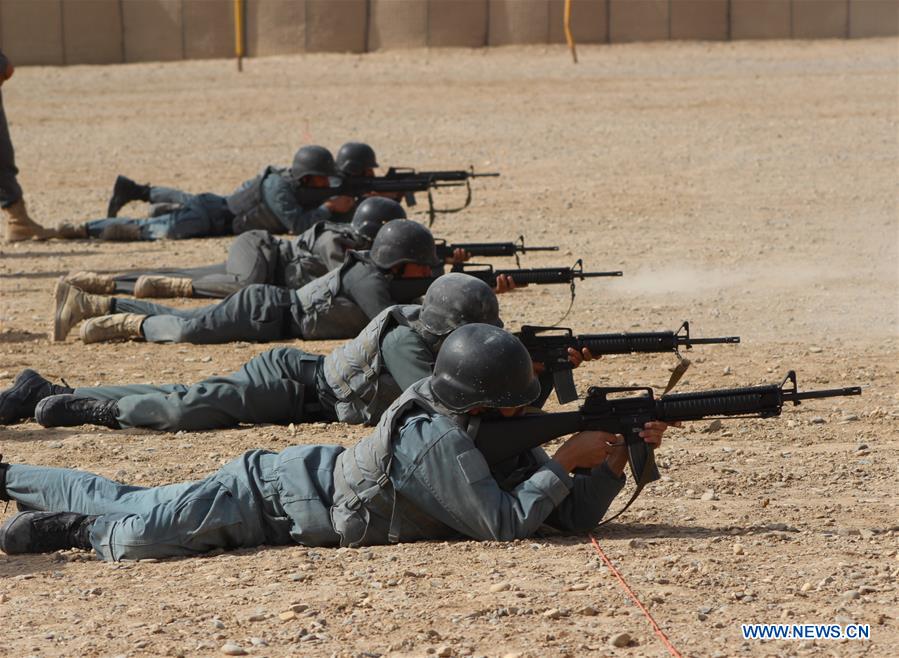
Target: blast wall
58	32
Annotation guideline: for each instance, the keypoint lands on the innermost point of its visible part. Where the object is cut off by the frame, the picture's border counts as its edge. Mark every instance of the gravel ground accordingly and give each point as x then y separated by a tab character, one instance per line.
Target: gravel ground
747	187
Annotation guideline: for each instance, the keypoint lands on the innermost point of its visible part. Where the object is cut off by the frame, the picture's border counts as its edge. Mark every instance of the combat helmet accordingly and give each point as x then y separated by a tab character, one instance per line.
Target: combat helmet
480	365
312	160
403	241
456	299
354	158
373	213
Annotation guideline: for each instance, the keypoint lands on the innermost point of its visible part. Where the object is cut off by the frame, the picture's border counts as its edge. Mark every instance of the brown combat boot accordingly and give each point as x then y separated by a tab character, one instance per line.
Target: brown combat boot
19	226
92	282
70	231
112	327
73	306
162	286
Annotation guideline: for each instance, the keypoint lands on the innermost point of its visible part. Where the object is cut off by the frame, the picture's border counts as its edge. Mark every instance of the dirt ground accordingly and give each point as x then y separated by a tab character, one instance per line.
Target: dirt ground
747	187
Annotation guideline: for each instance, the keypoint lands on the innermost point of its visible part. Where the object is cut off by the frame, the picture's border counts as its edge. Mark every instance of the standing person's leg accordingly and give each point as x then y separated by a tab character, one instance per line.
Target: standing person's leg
258	313
275	387
19	226
127	522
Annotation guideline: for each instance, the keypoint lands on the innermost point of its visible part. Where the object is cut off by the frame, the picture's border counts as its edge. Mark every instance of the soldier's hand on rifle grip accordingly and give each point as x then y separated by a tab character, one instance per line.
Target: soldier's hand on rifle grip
504	283
653	431
459	256
577	358
340	204
586	449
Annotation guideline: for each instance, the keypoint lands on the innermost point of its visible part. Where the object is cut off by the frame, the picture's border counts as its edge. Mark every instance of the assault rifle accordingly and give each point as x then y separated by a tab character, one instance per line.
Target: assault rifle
552	349
408	289
488	249
405	181
501	439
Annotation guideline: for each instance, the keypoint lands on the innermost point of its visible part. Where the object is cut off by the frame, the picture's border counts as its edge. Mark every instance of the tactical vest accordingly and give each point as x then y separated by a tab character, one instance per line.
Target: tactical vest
327	313
356	374
296	266
250	208
366	508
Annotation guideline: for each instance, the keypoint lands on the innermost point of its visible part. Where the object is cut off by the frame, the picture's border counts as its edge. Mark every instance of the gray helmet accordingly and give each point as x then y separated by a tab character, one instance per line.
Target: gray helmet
312	161
373	213
480	365
403	241
455	299
354	158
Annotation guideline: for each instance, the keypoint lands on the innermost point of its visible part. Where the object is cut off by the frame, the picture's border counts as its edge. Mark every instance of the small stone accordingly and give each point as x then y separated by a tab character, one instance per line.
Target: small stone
443	651
299	607
636	543
217	623
258	642
500	587
588	611
814	349
232	649
727	370
806	587
709	495
287	616
620	640
817	420
206	359
851	594
714	426
256	617
862	446
738	549
552	613
848	418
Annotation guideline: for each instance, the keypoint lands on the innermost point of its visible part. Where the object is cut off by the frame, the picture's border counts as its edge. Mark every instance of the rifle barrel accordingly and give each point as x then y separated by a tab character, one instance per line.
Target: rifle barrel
708	341
589	275
827	393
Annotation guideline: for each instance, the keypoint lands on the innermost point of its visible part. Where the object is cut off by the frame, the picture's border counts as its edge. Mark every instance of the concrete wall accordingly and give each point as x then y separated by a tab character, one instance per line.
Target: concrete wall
57	32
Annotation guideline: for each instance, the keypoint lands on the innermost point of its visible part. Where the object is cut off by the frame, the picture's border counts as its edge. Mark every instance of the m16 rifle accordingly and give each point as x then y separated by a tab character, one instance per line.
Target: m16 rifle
501	439
488	249
403	181
408	289
549	346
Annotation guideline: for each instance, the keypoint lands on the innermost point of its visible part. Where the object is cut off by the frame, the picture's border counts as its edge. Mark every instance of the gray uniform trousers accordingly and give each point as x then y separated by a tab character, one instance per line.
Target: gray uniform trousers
202	215
277	386
252	258
241	505
257	313
10	192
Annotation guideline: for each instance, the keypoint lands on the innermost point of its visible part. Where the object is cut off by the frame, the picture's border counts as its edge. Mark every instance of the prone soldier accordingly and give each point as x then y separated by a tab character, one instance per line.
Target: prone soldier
273	201
418	475
337	305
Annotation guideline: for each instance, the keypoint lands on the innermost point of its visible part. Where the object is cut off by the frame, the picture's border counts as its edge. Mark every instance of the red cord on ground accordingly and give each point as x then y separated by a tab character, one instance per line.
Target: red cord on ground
671	649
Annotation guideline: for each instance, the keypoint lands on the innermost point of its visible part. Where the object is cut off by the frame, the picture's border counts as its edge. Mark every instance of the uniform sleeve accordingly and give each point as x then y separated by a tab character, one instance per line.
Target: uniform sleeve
406	356
449	479
368	289
330	249
283	202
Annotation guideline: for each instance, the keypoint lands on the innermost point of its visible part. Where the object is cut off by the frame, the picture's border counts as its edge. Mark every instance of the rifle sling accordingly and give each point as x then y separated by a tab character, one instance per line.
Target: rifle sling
641	482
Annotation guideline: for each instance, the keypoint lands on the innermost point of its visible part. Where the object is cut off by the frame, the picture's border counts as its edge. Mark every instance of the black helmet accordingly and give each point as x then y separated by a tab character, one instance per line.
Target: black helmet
373	213
456	299
354	158
403	241
480	365
312	161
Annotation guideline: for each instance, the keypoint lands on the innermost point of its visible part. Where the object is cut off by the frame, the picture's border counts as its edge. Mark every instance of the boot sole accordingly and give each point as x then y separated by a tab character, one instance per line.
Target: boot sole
62	295
13	548
6	418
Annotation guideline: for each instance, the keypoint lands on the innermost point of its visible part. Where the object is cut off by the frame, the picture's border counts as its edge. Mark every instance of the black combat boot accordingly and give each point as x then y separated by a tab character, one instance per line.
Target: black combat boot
125	191
4	494
69	410
45	532
29	388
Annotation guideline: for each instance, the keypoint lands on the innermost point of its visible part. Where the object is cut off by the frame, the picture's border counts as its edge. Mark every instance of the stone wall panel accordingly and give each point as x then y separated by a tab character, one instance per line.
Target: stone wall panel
457	23
209	29
588	21
760	19
703	20
638	20
153	30
275	27
31	32
338	26
518	21
397	24
873	18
